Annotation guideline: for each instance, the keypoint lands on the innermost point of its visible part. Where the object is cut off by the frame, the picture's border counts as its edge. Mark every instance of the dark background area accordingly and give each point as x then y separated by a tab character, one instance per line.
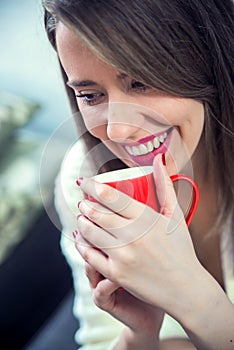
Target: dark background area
36	293
35	279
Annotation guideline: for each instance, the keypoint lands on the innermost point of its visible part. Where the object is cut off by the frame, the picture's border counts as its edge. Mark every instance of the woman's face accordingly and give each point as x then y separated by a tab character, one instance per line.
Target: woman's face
134	121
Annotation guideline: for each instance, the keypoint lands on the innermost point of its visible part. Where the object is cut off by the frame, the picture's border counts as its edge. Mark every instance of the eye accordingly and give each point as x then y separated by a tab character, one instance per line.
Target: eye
138	86
90	98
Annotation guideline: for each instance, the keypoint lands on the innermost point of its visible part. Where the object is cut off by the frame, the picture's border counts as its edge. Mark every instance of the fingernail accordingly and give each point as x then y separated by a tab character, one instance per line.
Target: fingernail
121	288
75	233
164	159
79	180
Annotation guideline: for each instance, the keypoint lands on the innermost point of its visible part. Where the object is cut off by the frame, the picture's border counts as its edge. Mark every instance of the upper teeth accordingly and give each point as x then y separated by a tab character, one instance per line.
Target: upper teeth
148	147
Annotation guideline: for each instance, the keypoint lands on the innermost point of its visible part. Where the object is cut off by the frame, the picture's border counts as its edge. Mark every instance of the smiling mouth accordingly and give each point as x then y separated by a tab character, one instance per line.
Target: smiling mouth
149	146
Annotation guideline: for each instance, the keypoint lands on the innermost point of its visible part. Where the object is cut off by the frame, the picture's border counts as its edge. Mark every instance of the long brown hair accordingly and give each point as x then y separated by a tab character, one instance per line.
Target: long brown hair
184	48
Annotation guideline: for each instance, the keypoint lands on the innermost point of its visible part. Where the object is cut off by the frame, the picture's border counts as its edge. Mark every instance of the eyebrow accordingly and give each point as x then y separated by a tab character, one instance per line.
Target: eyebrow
84	83
122	76
81	83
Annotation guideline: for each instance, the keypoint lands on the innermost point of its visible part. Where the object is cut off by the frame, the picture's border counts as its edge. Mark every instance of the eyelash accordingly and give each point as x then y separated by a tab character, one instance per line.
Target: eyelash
91	99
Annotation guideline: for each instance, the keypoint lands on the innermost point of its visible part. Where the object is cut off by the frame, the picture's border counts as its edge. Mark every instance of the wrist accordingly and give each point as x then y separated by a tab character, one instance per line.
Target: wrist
205	312
200	294
131	340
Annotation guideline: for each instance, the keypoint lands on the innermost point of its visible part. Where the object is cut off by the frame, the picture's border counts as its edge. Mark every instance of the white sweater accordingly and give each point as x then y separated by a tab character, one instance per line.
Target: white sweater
98	330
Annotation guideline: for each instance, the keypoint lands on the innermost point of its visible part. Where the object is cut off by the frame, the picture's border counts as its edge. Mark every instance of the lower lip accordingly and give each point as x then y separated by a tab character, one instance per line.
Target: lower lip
147	159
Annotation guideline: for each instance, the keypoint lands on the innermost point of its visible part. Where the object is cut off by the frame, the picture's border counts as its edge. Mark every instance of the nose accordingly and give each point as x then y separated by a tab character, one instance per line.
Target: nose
123	122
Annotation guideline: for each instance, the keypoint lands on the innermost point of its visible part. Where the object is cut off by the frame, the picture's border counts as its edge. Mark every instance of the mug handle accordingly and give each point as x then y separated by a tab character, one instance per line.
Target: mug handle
194	205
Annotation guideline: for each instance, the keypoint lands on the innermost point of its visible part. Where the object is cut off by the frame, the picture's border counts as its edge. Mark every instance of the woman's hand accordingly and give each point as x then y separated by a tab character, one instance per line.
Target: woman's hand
143	319
150	254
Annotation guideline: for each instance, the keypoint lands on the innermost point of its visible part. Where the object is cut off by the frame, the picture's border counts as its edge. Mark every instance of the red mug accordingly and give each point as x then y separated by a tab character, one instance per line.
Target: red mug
138	183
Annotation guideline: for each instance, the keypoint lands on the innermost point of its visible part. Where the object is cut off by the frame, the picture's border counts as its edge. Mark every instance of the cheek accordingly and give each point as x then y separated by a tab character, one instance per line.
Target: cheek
194	129
95	121
190	122
98	132
186	138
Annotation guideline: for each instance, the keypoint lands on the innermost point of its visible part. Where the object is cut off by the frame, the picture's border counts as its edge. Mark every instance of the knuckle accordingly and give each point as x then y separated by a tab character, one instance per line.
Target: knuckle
131	259
87	228
168	182
86	255
113	274
97	298
92	213
103	192
168	212
117	274
88	269
100	298
106	193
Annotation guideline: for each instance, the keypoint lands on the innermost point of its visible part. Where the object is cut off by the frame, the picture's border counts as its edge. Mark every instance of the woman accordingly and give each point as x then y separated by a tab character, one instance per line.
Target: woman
168	66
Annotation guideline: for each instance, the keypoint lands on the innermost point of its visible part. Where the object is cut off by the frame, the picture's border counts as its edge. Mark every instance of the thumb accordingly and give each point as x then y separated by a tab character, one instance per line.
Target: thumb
169	206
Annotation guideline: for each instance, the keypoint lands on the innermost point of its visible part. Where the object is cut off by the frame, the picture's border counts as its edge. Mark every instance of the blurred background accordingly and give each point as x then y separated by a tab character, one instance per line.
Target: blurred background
35	280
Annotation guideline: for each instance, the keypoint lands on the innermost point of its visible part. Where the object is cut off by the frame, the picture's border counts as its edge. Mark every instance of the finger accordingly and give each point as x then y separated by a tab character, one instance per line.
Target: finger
102	216
165	190
94	234
121	234
107	287
111	198
79	239
103	295
94	258
93	275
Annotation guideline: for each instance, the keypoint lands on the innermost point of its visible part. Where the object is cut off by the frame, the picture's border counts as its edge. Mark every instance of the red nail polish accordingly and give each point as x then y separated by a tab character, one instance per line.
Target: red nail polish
79	180
75	233
164	159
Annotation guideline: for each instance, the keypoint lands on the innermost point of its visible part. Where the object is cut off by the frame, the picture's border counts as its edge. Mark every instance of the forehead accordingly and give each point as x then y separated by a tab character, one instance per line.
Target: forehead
68	42
76	57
